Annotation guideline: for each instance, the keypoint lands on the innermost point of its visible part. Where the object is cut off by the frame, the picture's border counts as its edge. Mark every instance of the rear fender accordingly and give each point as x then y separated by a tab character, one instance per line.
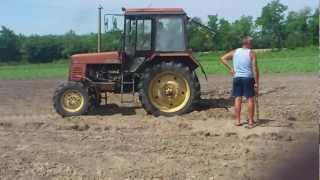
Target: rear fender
185	58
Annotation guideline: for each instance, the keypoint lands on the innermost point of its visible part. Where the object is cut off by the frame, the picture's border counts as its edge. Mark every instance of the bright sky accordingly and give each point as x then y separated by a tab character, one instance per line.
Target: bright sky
59	16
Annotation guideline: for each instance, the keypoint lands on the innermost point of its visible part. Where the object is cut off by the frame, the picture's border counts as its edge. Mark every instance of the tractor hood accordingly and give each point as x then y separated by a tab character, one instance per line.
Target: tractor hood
97	58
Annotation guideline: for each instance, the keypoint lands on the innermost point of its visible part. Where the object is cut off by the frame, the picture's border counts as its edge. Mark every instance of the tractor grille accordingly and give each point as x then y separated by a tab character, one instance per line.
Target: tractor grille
76	72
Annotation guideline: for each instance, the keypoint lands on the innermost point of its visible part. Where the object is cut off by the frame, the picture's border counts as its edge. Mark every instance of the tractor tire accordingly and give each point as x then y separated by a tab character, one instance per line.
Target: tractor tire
71	99
168	89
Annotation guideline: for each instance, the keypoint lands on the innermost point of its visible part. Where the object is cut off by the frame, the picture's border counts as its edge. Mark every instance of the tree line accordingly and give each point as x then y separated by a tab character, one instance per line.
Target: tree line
275	28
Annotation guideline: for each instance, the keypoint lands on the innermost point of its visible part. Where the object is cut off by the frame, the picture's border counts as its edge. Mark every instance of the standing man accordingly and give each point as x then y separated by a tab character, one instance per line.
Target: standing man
245	77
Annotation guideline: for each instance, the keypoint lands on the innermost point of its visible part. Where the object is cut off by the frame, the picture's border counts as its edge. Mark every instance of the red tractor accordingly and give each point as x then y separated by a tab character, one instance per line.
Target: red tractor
153	62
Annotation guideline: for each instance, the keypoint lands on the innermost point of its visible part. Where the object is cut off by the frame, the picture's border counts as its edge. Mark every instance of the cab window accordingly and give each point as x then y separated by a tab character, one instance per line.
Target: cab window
130	36
144	35
170	34
138	35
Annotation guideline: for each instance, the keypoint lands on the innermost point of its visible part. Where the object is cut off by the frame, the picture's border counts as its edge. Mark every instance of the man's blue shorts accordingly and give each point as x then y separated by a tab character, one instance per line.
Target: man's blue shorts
243	86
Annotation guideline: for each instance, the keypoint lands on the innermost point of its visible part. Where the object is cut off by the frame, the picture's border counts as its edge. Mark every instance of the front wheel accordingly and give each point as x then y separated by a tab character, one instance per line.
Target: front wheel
168	89
71	99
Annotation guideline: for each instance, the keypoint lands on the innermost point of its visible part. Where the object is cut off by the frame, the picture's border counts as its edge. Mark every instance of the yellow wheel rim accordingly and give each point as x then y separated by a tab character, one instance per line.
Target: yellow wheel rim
72	101
169	92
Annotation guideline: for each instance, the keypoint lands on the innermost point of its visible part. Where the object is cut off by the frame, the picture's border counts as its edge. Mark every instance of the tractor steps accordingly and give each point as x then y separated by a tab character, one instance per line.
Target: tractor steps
122	99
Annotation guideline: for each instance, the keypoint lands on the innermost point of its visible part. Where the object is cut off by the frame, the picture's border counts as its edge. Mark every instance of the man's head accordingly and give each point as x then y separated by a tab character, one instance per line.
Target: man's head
247	42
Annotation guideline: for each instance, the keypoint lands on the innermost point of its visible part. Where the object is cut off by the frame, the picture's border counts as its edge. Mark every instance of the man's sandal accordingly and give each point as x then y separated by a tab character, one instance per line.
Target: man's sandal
250	126
253	121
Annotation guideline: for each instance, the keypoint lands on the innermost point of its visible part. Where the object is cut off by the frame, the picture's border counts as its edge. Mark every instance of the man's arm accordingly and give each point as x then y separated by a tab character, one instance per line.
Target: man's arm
255	69
224	60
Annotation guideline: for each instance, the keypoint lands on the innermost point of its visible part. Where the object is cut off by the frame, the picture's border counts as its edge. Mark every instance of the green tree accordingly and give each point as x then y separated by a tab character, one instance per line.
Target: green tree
42	49
213	24
272	22
224	35
72	44
199	39
314	27
297	28
9	46
112	40
241	28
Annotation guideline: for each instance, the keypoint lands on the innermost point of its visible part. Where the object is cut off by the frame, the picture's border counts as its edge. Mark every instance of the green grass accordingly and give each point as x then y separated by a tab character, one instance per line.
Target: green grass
304	60
34	71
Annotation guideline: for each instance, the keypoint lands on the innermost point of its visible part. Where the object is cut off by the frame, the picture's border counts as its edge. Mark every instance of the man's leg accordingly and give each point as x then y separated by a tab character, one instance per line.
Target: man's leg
237	108
250	110
249	93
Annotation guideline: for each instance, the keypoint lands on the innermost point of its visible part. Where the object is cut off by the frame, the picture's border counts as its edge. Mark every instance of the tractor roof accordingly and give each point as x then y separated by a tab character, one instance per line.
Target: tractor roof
155	11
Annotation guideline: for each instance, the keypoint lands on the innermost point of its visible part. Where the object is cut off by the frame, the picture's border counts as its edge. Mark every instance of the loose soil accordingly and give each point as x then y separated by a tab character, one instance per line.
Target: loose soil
123	142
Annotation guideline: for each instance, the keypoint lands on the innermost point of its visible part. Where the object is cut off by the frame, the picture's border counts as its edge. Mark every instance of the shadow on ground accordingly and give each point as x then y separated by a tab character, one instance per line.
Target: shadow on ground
263	122
206	104
201	105
271	91
112	109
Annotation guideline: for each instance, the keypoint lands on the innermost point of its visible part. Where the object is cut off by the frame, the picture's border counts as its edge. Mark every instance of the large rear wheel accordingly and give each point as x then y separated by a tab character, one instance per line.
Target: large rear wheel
168	89
70	99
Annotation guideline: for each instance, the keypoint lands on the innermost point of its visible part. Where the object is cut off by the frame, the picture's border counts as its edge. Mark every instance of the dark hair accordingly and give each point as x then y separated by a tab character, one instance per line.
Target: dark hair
247	39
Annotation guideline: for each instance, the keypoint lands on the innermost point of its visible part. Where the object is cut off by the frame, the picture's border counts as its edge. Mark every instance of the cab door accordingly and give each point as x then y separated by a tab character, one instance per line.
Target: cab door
138	42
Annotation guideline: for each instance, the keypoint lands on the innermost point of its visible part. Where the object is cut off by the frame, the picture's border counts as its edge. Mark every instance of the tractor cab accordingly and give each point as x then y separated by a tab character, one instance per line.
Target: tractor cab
151	31
150	34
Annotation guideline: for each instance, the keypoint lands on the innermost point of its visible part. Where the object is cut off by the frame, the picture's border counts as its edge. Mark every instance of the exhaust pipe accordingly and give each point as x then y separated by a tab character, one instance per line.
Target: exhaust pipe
99	28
